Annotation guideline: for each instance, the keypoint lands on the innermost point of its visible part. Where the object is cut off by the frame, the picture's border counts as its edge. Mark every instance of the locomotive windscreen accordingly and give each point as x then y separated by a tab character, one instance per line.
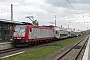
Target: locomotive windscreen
20	28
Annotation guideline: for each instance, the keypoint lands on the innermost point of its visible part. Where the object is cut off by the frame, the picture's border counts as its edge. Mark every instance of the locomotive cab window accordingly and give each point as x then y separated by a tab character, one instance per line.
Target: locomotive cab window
30	29
20	28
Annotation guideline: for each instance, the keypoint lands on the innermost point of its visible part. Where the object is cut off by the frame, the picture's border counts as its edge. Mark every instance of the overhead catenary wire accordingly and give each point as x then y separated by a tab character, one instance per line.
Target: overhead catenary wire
72	7
76	5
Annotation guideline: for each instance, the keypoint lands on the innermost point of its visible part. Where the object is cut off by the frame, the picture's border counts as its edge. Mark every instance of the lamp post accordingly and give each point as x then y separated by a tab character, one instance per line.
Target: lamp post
68	24
1	15
11	12
55	20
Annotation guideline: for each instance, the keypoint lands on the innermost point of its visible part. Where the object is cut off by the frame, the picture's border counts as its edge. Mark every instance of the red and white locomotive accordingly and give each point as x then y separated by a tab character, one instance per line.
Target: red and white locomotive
27	34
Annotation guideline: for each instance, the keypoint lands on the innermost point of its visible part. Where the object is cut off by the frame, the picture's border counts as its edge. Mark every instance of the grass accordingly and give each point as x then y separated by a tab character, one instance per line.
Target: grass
67	41
43	51
33	54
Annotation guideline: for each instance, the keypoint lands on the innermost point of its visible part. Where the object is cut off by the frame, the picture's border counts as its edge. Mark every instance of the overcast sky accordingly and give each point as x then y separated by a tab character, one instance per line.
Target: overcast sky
75	13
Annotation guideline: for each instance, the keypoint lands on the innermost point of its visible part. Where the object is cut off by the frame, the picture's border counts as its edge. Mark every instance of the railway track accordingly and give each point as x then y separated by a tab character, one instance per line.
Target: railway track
8	50
74	52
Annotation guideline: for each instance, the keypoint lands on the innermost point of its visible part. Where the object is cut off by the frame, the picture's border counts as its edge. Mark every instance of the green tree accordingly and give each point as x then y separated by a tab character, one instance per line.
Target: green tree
35	22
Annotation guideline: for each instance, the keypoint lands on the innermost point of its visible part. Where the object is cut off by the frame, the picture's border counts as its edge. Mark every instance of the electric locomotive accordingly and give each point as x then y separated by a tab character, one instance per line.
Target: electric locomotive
27	34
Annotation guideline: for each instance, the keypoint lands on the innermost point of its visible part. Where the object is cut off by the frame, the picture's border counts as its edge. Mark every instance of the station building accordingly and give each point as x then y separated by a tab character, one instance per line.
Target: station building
7	29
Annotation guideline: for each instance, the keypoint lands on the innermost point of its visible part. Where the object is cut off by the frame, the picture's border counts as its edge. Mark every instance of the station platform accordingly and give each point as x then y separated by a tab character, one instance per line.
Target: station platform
86	55
5	45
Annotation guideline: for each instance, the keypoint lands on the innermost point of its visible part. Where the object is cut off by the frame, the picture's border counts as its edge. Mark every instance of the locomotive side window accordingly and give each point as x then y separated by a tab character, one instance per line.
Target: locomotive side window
56	32
30	29
69	32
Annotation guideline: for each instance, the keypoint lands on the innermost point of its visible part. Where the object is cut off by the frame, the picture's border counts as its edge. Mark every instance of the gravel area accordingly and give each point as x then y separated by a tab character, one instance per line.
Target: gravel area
60	51
82	52
74	52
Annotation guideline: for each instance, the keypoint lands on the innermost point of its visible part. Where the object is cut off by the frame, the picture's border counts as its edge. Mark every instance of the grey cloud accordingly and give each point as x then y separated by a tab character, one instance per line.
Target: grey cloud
57	3
19	2
82	1
64	3
10	1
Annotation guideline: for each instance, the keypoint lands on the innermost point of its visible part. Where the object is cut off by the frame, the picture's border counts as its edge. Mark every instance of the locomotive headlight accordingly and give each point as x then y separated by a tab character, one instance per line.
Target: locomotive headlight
14	38
19	38
23	38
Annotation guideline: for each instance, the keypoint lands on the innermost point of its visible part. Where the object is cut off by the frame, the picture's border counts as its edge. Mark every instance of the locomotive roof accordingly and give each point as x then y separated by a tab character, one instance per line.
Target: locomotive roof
42	27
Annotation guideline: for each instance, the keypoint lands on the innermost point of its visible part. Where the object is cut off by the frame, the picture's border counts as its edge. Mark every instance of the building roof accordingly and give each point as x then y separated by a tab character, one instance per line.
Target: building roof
13	22
9	21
